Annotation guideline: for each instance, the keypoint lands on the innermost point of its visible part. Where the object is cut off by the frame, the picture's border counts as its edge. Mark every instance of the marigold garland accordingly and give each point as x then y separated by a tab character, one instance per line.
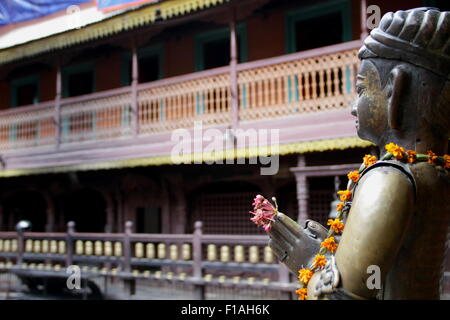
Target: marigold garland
432	157
396	150
369	160
412	156
345	195
305	275
329	244
337	226
319	261
446	161
302	294
354	176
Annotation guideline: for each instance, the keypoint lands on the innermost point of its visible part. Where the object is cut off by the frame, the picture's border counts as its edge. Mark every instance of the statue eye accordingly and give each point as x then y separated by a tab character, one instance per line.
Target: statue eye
359	89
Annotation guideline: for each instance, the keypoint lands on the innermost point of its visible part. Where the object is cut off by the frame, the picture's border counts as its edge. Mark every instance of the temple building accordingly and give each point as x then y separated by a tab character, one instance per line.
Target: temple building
94	101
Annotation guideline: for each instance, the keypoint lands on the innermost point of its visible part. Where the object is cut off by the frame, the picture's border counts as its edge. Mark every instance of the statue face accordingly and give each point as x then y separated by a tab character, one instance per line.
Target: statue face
370	107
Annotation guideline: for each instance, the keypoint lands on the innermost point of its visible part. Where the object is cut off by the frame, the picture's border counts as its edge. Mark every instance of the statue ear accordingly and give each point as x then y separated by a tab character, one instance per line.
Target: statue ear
397	81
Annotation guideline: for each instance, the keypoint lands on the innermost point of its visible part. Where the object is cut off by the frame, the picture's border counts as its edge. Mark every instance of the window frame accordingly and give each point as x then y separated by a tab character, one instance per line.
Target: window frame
16	83
218	34
69	70
314	11
125	69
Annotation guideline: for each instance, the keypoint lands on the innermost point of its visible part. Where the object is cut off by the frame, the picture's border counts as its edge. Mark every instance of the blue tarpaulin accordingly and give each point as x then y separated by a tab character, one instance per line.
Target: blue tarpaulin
107	5
12	11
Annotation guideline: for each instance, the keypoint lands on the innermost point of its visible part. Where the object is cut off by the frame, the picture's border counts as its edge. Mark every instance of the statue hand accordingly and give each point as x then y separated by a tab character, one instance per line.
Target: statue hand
294	245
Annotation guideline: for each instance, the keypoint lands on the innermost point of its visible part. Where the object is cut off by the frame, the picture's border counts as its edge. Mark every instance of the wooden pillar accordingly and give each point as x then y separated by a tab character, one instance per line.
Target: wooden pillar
165	207
2	212
363	18
119	219
178	205
302	191
233	71
50	225
134	92
57	119
109	213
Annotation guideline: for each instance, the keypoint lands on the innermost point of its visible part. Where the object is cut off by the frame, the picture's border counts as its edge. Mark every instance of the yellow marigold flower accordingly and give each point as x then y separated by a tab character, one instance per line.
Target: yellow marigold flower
345	195
411	156
319	261
305	275
431	157
339	206
369	160
396	150
446	161
329	244
354	176
302	293
336	225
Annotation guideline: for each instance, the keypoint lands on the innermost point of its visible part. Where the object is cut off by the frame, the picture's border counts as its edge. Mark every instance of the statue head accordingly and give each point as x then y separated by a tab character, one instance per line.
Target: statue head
403	84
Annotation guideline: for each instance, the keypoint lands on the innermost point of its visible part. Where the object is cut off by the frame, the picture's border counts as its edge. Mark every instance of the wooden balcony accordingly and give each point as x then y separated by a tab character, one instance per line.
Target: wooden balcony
276	92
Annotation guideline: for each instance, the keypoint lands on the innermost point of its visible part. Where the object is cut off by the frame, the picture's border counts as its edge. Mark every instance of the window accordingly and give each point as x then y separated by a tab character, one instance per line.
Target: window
308	28
78	79
150	65
212	48
25	91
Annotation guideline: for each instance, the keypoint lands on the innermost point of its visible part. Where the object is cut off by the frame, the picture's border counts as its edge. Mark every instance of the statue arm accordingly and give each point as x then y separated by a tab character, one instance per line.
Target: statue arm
376	226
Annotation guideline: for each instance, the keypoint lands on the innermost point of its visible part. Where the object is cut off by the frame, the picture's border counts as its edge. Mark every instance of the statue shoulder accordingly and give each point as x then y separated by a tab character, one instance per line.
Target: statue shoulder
389	174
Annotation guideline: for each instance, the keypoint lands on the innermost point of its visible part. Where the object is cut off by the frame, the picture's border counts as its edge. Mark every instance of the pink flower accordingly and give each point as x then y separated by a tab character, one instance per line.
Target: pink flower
263	212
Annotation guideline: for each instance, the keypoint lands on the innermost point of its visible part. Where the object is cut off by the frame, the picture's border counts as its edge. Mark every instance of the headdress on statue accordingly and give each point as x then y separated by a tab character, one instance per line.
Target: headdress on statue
418	36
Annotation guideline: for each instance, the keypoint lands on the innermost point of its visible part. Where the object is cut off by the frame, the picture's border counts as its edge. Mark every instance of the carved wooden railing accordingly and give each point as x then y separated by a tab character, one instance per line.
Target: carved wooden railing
199	259
307	83
310	81
27	127
102	116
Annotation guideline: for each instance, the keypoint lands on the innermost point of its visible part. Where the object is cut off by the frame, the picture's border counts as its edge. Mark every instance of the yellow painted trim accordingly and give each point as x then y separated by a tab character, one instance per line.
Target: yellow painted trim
123	22
285	149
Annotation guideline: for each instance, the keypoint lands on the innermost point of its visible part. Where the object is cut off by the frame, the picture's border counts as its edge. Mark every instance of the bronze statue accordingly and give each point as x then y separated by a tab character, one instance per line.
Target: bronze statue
395	213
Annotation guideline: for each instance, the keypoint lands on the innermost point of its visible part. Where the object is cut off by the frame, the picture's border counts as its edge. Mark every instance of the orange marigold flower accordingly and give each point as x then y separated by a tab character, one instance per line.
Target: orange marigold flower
302	293
329	244
411	156
319	261
336	225
446	161
431	157
354	176
396	150
345	195
369	160
305	275
339	206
